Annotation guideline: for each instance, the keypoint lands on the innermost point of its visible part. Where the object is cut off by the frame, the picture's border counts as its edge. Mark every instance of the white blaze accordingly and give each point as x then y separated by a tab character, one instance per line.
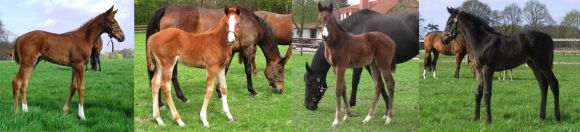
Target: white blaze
324	31
231	28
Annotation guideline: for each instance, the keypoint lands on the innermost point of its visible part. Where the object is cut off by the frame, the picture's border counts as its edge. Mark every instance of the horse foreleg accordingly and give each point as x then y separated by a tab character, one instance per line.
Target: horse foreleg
356	72
248	69
478	93
219	94
79	84
487	90
224	91
458	60
212	71
340	86
98	60
254	69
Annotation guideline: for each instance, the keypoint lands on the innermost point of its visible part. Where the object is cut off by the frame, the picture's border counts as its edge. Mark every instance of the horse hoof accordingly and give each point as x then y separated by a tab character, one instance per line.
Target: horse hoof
367	119
159	121
388	121
180	123
345	117
24	108
162	107
185	100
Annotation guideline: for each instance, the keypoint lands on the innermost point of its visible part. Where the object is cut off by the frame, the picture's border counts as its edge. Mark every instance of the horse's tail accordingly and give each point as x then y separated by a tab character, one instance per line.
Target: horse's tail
151	63
154	23
16	55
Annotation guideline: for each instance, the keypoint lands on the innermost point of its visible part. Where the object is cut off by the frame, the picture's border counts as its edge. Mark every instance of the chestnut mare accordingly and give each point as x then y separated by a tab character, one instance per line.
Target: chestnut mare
256	32
211	50
69	49
345	50
433	44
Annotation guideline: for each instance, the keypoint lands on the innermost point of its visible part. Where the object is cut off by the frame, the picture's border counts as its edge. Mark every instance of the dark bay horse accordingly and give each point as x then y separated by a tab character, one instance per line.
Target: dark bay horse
434	44
68	49
211	50
281	25
256	32
345	50
491	51
404	34
95	60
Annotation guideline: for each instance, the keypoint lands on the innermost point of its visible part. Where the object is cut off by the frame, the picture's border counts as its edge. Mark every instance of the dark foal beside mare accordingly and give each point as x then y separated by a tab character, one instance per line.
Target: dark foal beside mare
68	49
345	50
404	35
95	59
492	51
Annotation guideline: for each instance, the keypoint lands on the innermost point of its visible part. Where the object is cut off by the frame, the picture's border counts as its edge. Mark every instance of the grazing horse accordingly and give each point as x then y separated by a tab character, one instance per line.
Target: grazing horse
68	49
256	32
433	44
281	25
491	51
10	54
404	34
211	50
96	56
345	50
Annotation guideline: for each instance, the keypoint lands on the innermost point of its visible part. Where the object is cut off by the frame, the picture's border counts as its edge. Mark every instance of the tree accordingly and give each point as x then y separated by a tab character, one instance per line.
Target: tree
477	8
571	24
537	15
513	17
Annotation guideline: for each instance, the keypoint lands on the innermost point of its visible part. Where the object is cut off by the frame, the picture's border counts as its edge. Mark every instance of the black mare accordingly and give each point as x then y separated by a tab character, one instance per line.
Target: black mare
403	29
492	51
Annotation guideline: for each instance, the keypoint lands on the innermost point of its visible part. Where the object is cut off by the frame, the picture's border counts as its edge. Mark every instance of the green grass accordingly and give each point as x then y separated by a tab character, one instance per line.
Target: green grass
269	111
108	99
448	103
557	57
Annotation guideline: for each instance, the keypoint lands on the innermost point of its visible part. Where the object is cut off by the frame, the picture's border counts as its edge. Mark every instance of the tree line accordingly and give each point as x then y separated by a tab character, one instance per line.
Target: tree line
511	19
145	8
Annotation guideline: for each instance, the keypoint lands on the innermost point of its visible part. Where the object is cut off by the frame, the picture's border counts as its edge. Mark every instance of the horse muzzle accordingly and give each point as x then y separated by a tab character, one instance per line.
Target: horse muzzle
120	37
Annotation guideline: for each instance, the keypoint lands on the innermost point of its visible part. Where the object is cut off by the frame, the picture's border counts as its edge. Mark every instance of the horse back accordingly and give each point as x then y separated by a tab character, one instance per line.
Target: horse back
190	19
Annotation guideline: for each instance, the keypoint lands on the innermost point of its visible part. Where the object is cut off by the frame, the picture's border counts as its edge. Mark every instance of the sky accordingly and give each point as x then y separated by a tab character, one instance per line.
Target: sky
434	11
59	16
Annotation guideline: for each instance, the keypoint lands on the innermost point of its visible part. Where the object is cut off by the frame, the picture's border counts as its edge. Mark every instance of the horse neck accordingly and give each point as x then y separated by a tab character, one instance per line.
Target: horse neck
91	31
267	40
336	34
220	29
319	65
473	35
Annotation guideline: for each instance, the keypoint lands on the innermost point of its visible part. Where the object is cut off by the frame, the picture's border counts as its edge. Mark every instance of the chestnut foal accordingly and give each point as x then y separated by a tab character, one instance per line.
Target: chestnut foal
69	49
345	50
211	50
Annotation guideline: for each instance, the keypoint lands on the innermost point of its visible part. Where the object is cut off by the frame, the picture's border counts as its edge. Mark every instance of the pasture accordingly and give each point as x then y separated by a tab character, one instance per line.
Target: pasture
269	111
448	103
108	98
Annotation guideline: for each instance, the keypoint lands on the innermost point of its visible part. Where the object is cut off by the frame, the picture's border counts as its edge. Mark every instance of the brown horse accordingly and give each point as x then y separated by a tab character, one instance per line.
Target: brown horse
256	33
211	50
433	44
345	50
69	49
281	25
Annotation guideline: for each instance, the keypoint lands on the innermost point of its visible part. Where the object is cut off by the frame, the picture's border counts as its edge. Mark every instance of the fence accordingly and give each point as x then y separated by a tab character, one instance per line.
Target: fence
561	46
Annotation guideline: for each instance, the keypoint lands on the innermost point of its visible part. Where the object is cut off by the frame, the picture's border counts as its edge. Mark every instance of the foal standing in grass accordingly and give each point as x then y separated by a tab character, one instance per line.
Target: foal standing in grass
69	49
345	50
211	50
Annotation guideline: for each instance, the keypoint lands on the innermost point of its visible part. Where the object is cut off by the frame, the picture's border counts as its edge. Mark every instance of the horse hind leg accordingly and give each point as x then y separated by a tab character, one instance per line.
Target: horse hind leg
224	91
543	83
20	84
72	91
385	70
155	86
166	89
434	64
375	75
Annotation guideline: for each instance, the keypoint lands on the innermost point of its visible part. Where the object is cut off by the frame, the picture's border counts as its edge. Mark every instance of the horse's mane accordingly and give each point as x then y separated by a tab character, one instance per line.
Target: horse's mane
268	37
86	27
357	17
480	22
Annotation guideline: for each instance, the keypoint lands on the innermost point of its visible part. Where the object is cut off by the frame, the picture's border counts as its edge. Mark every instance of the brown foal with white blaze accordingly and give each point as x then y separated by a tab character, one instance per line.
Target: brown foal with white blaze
69	49
211	50
345	50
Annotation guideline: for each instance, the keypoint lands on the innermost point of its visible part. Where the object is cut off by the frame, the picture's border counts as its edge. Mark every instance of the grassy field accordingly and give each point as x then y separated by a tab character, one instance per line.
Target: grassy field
269	111
108	99
448	103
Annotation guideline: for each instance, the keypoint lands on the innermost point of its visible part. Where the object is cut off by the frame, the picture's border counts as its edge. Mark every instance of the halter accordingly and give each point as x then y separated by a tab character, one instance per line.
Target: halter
110	30
323	88
453	32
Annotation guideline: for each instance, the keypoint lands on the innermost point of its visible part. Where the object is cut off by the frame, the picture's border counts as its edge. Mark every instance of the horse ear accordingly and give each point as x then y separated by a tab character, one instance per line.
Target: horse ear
320	7
115	12
110	9
308	68
238	10
330	7
226	10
